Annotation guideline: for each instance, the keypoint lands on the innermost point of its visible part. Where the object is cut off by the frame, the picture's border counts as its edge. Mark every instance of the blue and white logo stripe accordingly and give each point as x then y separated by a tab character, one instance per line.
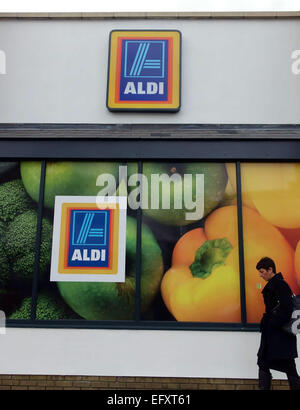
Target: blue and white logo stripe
139	59
87	231
152	64
144	59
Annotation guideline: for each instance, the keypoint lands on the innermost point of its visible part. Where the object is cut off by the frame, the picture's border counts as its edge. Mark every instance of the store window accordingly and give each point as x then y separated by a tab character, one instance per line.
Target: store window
195	231
271	226
179	234
200	278
83	300
18	228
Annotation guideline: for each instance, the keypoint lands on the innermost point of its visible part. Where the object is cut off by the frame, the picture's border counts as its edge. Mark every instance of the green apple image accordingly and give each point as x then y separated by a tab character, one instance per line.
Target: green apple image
185	185
66	178
116	301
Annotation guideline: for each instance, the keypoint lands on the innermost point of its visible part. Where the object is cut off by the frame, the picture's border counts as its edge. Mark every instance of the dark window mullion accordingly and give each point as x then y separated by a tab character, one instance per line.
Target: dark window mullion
139	216
241	244
38	241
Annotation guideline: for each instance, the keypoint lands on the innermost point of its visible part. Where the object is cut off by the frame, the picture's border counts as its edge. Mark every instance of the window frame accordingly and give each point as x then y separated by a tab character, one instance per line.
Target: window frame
247	144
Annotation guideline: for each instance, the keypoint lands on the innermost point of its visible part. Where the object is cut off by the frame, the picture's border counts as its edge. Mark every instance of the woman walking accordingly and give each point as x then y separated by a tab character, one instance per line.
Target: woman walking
278	349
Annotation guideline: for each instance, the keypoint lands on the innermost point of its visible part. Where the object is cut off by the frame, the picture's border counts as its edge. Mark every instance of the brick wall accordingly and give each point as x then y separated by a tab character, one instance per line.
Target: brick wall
44	382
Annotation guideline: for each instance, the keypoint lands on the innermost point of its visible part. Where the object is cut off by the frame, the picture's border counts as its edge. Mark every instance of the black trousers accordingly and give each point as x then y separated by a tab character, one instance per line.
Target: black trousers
287	366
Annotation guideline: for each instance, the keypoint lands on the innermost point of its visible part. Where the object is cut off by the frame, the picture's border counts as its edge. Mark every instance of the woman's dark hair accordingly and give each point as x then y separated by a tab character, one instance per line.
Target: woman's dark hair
266	263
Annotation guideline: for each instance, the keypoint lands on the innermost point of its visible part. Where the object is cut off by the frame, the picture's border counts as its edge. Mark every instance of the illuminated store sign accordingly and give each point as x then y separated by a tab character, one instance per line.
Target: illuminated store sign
144	71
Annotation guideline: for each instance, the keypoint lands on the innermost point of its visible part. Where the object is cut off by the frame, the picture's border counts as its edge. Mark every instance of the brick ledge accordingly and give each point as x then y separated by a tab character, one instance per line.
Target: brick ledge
57	382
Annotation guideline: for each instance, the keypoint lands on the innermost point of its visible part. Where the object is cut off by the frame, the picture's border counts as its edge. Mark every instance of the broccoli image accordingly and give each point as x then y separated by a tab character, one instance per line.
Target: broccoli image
4	268
4	263
20	238
48	308
13	200
2	229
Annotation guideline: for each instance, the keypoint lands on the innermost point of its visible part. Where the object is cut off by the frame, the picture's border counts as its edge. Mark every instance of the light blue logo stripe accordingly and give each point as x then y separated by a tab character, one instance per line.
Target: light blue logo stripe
139	59
136	58
83	229
143	45
144	58
136	63
83	226
88	227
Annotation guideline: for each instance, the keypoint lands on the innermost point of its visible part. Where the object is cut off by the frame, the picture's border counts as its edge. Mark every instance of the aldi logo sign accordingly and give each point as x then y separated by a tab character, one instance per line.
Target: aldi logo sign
89	239
144	71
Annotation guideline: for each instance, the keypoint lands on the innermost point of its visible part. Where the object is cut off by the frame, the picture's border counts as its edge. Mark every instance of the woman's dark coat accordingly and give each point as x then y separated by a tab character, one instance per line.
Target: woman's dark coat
275	342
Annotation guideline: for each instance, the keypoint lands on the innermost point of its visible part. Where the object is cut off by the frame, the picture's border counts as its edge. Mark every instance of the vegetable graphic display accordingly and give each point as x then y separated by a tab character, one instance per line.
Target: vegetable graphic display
65	178
291	235
116	301
187	245
215	180
231	186
207	290
274	191
13	200
297	261
200	257
48	308
4	267
20	245
260	239
18	224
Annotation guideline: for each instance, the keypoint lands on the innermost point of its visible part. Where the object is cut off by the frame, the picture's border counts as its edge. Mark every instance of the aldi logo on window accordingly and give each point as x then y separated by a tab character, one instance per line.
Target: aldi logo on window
89	239
144	71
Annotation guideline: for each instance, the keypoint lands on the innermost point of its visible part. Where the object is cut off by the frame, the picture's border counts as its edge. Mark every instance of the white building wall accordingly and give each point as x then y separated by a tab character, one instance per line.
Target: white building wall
233	71
149	353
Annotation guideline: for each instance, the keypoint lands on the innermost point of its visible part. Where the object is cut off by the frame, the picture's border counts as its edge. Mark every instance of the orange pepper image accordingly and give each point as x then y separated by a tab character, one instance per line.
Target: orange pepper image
297	260
186	246
246	197
260	239
205	291
292	235
274	191
203	283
